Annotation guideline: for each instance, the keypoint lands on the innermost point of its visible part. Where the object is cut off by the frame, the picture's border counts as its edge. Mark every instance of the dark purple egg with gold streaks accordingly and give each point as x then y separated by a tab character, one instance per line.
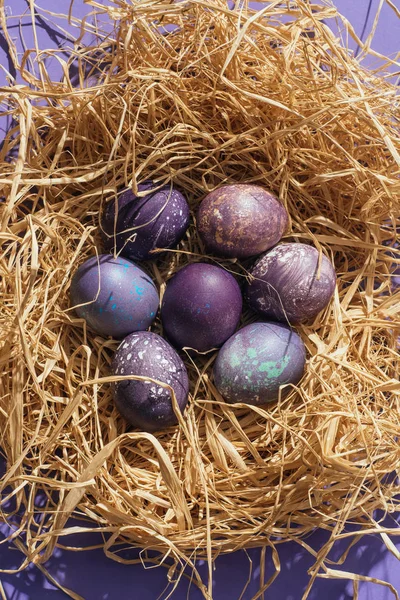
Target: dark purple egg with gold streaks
139	225
240	220
287	286
144	403
114	296
255	362
201	307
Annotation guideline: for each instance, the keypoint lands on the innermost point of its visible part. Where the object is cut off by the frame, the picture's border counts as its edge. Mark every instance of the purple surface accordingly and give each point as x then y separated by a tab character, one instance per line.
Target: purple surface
95	577
361	14
52	32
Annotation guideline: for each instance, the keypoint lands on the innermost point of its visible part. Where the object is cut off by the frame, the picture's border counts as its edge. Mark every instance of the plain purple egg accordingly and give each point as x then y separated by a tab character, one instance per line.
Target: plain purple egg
157	220
144	403
240	220
253	364
201	307
286	285
117	296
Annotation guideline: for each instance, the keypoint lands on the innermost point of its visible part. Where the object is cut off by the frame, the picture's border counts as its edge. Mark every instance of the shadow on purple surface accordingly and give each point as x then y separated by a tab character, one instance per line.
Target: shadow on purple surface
31	584
95	577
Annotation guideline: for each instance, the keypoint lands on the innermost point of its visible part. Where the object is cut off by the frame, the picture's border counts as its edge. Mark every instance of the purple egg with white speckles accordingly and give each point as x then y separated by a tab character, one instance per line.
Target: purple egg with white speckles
287	286
114	296
139	225
241	220
201	307
144	403
254	363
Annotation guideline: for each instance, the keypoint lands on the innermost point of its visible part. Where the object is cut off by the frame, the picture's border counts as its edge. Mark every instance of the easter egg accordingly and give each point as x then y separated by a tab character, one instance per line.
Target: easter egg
287	285
258	359
240	220
144	403
114	296
135	226
201	307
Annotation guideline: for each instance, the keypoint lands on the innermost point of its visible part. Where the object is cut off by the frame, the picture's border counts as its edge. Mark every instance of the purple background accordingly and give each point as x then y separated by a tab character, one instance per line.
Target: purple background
91	574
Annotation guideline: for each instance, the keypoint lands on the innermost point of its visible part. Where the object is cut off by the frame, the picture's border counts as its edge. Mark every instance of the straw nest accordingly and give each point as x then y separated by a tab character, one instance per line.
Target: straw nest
226	96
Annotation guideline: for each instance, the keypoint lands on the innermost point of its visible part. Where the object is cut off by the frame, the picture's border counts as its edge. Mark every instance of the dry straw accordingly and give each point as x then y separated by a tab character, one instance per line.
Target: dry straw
227	95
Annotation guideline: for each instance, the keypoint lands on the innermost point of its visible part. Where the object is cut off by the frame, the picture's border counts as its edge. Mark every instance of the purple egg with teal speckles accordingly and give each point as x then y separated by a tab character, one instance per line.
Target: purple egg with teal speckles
201	307
157	220
287	285
253	364
144	403
117	296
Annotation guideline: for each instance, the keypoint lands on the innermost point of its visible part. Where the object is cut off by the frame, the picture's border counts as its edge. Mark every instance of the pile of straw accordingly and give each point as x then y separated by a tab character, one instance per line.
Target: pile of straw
200	95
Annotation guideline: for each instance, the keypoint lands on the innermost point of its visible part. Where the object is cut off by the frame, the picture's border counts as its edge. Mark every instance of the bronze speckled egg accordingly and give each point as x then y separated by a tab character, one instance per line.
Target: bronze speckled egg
240	220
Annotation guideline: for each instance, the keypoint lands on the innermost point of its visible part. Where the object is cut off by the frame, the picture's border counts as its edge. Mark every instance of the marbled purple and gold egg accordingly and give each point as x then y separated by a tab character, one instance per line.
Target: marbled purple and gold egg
288	285
256	361
114	296
201	307
240	220
136	226
145	403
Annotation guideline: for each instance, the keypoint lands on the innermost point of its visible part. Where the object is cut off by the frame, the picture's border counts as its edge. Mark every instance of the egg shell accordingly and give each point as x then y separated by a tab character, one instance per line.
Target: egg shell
256	361
286	286
122	298
240	220
157	220
201	307
145	404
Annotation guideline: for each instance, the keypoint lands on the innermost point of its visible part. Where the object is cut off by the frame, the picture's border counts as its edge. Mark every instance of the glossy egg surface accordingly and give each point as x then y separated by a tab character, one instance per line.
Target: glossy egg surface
144	403
201	307
258	359
135	226
286	284
240	220
114	296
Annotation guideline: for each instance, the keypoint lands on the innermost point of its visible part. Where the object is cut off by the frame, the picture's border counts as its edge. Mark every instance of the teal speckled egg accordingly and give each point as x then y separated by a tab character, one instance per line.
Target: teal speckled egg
258	359
114	296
